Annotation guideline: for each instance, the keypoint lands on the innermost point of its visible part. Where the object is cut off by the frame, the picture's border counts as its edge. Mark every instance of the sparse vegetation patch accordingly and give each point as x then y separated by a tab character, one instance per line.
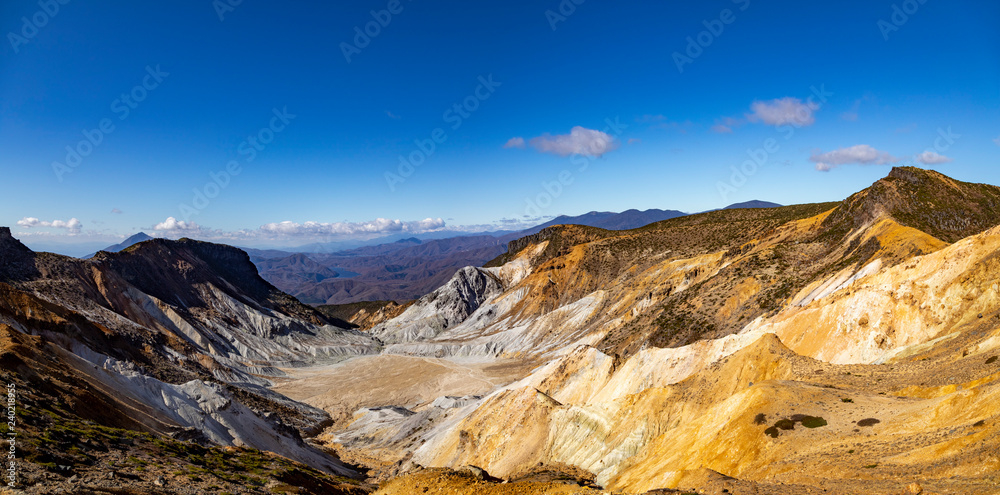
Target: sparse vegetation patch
789	424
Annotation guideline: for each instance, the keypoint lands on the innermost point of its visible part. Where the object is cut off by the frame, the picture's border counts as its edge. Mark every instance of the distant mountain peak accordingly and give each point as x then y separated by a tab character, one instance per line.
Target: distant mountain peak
131	241
626	220
137	238
753	203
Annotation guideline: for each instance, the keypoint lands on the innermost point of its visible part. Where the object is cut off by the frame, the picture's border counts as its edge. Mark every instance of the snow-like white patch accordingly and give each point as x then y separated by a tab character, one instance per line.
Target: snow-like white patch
839	282
205	407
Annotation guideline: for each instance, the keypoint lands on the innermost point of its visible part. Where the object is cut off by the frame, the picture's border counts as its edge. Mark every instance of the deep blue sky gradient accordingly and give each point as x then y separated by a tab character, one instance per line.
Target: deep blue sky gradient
607	60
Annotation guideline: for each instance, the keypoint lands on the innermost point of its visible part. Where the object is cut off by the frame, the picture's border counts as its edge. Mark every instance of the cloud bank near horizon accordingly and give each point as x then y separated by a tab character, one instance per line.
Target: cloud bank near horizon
72	226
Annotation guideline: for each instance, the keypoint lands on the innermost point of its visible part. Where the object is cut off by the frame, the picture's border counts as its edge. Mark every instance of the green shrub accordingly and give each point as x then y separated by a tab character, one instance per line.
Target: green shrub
813	422
785	424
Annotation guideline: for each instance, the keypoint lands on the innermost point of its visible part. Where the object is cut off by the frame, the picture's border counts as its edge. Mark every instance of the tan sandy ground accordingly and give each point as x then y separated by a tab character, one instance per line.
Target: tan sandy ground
391	380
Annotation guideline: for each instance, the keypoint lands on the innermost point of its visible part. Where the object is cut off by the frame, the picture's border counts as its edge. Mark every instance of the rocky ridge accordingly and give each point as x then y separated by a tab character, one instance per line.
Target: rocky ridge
839	316
174	339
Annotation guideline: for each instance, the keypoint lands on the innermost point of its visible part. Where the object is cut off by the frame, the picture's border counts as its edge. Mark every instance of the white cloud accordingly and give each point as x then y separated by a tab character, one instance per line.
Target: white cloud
932	158
116	211
377	226
173	225
293	233
634	141
287	233
722	129
997	141
72	225
515	142
579	141
783	111
392	115
861	154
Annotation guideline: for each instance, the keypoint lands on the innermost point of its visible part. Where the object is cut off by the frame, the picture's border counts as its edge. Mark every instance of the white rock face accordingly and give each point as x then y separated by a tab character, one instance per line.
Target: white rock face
206	408
441	324
388	427
246	340
446	307
470	301
843	279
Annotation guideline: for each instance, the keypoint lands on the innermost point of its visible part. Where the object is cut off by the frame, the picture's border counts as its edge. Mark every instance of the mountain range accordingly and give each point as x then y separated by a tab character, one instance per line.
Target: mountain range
847	347
408	268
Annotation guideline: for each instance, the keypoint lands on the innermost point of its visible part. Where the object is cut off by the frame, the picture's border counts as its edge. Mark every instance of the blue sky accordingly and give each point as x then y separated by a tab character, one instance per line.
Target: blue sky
606	119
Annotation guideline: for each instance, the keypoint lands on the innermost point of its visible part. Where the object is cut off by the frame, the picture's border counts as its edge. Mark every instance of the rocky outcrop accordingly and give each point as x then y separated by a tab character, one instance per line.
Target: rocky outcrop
446	307
17	262
183	335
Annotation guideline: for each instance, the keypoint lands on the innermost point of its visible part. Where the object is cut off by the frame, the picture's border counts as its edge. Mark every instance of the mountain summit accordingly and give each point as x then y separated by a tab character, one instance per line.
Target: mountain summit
926	200
133	240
